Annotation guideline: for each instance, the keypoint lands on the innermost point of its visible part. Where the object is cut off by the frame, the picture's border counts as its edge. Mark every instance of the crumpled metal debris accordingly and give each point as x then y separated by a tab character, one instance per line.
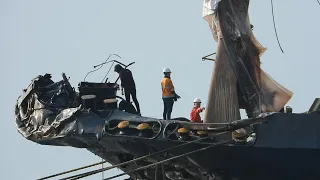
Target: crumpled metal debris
48	110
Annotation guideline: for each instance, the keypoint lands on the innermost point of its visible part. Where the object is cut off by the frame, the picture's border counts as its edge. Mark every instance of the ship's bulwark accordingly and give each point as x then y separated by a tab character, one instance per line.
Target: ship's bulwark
237	80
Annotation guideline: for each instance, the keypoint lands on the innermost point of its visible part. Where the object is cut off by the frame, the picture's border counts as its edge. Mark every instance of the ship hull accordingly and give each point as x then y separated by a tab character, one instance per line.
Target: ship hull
287	146
260	163
282	145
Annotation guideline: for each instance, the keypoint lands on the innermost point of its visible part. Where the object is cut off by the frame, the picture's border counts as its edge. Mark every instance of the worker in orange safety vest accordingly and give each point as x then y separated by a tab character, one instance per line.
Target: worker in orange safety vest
196	110
168	94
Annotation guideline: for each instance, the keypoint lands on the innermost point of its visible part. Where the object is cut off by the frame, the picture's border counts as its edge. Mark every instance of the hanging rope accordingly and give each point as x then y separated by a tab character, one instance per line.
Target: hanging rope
169	159
318	2
274	26
137	159
77	169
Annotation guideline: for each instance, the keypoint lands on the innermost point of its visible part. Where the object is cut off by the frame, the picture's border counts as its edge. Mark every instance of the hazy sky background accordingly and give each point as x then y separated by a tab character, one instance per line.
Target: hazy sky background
38	37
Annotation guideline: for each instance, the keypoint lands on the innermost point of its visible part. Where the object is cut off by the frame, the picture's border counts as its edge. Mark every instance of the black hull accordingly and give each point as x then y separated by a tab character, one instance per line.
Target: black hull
278	153
260	163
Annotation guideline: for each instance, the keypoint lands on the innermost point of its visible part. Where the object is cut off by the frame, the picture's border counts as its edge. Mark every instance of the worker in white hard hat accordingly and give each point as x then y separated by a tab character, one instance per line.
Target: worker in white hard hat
196	110
168	93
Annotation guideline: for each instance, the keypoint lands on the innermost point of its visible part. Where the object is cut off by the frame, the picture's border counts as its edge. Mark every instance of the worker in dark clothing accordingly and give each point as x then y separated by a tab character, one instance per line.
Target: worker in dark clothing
128	84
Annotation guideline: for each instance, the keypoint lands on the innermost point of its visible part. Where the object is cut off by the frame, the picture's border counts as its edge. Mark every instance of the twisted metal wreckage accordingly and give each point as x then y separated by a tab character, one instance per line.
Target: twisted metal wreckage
53	113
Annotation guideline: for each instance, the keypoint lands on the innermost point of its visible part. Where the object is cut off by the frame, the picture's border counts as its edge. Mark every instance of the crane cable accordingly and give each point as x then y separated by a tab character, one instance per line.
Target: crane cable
139	158
175	157
274	26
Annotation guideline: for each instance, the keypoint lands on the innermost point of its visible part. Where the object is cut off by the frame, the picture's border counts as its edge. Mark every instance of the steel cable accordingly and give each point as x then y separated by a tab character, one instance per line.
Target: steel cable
77	169
274	26
137	159
175	157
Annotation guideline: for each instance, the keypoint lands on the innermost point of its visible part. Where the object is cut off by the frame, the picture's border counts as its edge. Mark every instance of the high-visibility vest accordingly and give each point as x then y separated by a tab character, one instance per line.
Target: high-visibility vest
167	88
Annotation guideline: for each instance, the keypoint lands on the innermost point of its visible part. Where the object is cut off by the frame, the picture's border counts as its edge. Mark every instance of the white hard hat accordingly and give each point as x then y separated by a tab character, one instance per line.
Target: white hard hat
166	70
197	100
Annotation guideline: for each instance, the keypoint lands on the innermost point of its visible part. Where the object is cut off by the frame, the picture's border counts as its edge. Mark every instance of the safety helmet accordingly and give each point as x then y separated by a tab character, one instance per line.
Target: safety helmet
197	100
166	70
117	68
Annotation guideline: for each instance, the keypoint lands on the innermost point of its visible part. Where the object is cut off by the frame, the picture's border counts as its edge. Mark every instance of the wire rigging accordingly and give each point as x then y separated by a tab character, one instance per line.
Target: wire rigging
77	169
102	173
175	157
274	26
139	158
105	77
100	65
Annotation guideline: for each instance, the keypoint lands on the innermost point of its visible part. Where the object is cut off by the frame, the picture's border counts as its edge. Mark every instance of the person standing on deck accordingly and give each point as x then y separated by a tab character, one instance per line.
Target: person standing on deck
128	84
168	94
196	110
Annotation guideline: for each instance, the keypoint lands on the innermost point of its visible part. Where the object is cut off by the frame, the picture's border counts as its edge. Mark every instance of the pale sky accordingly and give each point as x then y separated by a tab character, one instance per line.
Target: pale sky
38	37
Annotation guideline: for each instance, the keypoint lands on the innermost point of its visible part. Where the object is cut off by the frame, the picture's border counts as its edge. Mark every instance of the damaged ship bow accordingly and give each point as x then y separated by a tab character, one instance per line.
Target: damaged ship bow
275	146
